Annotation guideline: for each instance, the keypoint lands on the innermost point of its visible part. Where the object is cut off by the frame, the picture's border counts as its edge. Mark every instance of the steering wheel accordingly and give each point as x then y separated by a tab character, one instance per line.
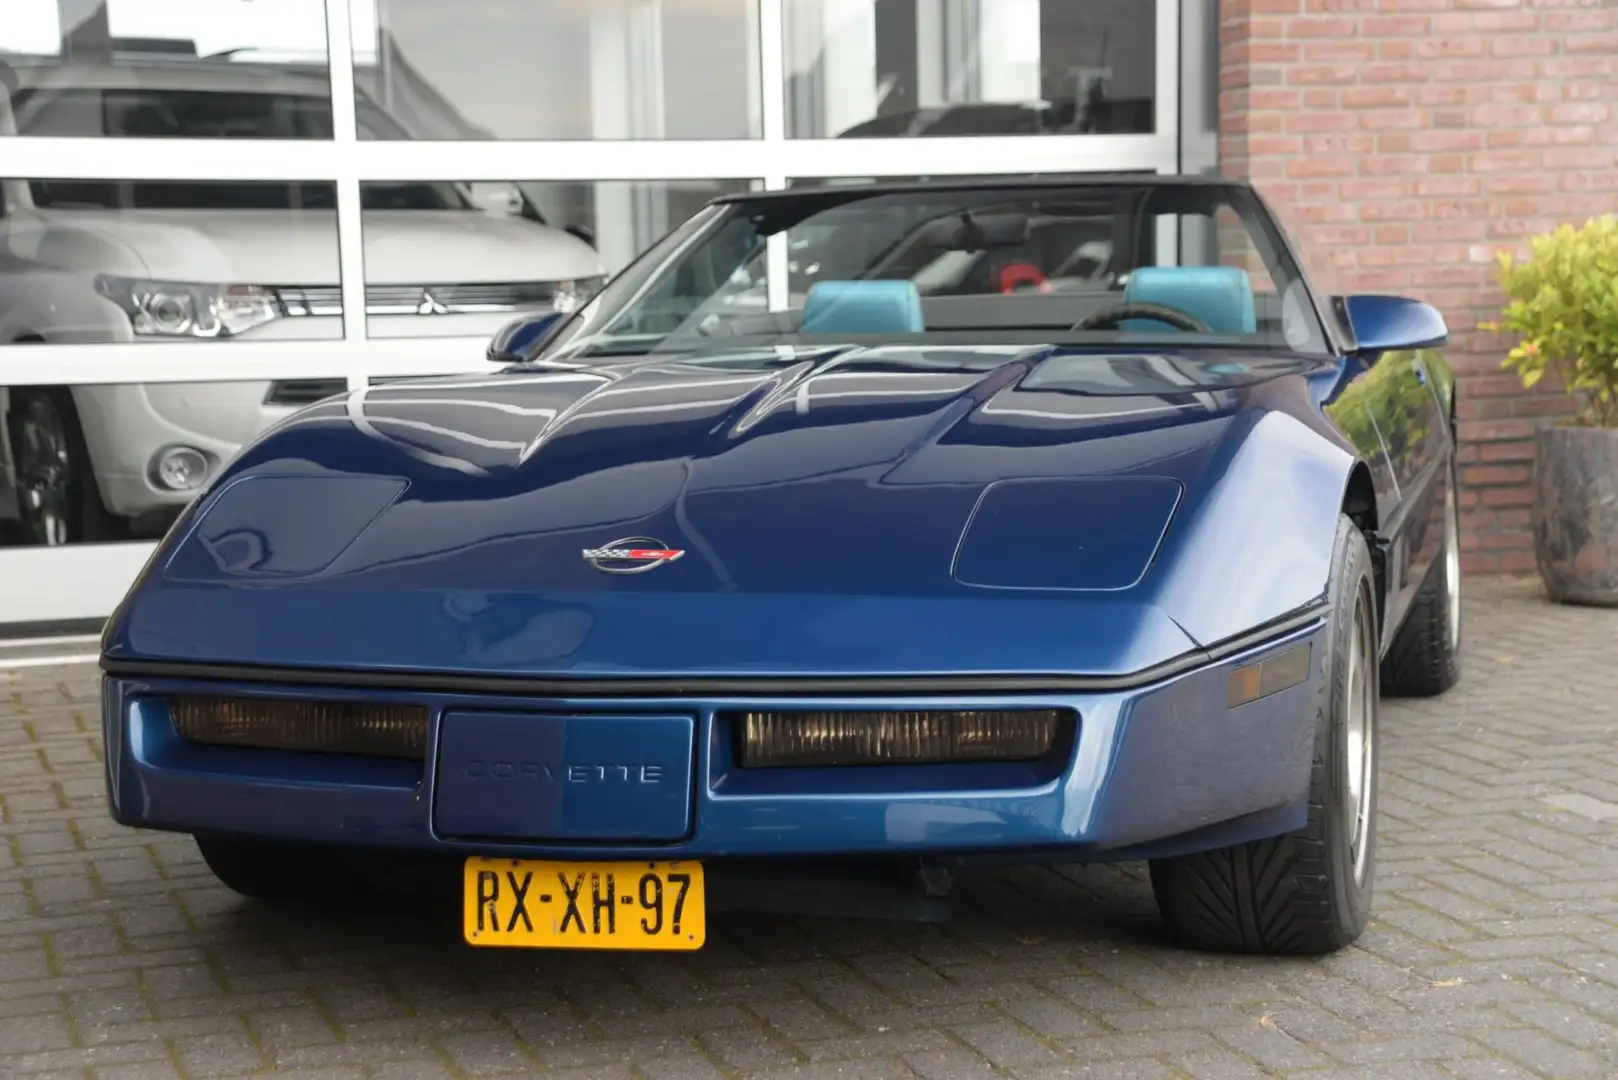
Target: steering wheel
1110	317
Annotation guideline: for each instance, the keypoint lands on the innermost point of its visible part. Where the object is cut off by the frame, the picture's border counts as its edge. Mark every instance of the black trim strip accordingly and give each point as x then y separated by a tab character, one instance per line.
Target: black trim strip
724	686
50	628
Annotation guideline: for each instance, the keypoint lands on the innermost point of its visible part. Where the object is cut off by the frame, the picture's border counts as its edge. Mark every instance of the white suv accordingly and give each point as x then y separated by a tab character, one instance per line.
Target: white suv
107	261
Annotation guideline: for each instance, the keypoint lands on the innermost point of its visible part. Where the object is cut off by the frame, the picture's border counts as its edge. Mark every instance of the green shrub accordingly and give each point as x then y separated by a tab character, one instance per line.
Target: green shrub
1562	303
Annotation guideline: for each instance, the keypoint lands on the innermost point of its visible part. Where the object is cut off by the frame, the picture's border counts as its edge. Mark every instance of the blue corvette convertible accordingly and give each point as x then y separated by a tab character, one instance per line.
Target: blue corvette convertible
850	535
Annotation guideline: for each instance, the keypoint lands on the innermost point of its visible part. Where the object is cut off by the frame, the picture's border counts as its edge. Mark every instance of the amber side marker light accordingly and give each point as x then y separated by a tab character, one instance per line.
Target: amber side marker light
883	737
363	730
1280	672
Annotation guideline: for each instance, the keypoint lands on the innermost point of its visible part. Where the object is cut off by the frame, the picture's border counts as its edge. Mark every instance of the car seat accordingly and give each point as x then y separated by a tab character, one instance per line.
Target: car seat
862	307
1220	296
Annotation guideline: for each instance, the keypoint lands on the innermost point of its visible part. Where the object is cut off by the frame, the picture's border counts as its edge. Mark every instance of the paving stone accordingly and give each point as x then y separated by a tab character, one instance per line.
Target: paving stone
1546	1055
1493	954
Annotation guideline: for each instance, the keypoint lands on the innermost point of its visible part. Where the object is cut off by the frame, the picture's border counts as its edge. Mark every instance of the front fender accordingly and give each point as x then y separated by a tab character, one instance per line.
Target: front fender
1254	542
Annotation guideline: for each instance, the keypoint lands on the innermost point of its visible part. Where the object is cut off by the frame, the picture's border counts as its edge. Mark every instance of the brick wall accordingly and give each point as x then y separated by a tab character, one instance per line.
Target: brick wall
1415	138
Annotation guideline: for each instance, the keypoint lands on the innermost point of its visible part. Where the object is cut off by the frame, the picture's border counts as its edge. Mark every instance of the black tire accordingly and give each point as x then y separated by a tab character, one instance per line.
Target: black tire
1425	658
1299	894
293	875
43	424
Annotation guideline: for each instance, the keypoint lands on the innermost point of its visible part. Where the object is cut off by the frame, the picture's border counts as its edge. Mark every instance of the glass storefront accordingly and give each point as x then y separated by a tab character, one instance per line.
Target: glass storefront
940	68
570	70
197	194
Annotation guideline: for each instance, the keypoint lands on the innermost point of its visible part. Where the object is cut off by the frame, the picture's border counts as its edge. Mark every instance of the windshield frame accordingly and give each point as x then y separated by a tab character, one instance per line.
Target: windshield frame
1323	279
584	335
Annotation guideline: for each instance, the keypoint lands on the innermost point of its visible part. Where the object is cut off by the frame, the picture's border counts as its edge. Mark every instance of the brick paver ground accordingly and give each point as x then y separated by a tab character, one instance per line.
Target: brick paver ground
1494	952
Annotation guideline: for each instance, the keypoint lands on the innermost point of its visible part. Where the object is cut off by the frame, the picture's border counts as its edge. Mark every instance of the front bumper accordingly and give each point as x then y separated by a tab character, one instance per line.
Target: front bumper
1154	770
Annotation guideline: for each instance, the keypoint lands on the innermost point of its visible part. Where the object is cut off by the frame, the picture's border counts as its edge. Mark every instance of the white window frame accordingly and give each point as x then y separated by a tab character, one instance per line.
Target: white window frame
85	581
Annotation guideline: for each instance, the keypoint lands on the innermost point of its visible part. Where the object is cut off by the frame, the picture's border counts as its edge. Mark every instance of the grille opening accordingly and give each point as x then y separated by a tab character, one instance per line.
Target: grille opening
303	391
363	730
796	739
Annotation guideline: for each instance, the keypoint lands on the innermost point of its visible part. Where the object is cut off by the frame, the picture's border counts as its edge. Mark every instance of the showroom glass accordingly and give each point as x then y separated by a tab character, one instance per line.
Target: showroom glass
106	261
887	68
157	68
452	259
101	463
558	69
1013	265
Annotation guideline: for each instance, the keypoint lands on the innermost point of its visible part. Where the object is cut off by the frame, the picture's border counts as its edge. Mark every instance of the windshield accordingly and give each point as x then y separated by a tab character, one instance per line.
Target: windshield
1160	263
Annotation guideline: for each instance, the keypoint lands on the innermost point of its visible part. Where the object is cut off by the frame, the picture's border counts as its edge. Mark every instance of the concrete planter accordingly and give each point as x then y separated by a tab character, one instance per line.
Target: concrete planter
1576	514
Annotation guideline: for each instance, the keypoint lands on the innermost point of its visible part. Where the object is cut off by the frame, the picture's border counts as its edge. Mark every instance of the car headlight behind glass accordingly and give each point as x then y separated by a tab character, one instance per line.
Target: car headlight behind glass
178	309
572	295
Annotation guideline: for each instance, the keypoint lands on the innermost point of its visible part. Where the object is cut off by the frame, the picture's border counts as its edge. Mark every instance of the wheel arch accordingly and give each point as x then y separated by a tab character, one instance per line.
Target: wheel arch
1359	506
1254	541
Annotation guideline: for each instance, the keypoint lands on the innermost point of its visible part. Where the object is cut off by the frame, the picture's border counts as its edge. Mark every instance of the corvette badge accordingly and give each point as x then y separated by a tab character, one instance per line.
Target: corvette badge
634	555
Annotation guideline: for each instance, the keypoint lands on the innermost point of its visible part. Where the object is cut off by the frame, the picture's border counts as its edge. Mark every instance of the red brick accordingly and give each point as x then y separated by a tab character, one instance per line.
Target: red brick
1521	518
1579	20
1396	26
1516	562
1362	97
1480	475
1314	26
1508	539
1416	138
1605	44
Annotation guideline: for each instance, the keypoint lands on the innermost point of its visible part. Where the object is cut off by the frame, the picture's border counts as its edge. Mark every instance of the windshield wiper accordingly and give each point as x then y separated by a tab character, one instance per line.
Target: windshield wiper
585	352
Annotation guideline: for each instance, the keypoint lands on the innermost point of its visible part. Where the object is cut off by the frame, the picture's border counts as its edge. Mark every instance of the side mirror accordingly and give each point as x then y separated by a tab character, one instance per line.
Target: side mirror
1392	323
518	341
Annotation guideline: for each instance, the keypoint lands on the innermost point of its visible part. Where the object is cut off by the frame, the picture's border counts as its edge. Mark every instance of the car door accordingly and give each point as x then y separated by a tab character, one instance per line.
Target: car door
1361	409
1415	425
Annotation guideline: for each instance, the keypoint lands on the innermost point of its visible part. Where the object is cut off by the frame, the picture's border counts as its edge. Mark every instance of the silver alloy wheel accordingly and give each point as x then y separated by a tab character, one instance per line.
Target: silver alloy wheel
1359	736
1452	568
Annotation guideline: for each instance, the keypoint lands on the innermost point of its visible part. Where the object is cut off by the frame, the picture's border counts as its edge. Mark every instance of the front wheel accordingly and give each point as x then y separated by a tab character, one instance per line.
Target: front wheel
1307	892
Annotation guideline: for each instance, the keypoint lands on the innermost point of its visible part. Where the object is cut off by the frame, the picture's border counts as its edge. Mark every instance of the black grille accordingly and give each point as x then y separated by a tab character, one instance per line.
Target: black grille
447	299
303	391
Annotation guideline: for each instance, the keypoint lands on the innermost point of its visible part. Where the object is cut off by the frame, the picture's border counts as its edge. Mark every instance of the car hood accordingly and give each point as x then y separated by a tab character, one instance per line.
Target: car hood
838	510
274	247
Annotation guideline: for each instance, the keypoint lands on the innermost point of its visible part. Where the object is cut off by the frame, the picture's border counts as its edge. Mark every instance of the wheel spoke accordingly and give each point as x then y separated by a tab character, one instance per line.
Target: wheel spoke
1452	568
1359	723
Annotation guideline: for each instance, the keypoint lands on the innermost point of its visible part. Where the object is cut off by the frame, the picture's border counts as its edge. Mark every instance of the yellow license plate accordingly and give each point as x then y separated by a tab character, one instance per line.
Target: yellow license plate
524	904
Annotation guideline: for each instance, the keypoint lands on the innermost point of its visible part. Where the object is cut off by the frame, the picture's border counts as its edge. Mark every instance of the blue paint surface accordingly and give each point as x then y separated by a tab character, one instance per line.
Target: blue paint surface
822	504
1393	323
1142	766
538	777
